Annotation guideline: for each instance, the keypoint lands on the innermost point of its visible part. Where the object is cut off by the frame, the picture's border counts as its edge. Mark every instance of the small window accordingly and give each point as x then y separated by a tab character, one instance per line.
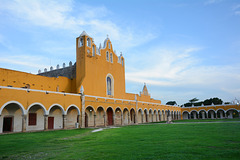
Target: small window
111	58
93	50
109	45
32	119
107	56
122	61
88	42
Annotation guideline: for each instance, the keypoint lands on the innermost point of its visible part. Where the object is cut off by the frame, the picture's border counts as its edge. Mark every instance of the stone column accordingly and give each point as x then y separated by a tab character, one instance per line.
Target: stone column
78	121
45	122
230	115
207	115
113	118
129	120
24	122
94	120
203	115
221	114
64	121
212	115
121	119
136	113
239	114
152	117
142	117
105	120
83	111
147	118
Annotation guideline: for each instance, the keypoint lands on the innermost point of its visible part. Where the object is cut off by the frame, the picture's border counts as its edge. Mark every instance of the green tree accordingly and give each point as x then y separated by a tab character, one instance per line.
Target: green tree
171	103
193	100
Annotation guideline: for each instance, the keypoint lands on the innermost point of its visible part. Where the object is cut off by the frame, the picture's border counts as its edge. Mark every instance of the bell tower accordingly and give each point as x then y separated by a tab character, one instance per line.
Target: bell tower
81	49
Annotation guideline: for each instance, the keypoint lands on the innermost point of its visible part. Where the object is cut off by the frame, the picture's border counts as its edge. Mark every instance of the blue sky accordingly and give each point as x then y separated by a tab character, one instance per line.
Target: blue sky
181	48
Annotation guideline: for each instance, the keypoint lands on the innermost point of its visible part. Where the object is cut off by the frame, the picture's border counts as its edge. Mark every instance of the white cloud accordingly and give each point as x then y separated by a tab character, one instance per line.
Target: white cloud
53	14
27	61
208	2
236	9
179	67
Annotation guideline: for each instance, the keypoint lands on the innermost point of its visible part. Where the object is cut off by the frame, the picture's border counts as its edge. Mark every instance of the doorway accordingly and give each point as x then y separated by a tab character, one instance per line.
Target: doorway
50	122
7	124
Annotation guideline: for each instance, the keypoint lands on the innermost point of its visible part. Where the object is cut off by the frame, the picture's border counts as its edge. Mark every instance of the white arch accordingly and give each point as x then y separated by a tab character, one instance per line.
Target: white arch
202	110
55	104
150	110
111	108
232	109
221	109
91	107
100	107
119	109
193	111
19	104
146	110
185	111
126	109
140	109
40	104
133	109
211	110
73	105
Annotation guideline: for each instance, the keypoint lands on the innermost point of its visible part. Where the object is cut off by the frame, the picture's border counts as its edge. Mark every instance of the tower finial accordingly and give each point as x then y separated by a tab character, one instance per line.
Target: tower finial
107	35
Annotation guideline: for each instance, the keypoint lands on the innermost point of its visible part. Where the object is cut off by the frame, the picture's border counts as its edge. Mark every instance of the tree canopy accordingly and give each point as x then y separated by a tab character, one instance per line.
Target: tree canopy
171	103
193	102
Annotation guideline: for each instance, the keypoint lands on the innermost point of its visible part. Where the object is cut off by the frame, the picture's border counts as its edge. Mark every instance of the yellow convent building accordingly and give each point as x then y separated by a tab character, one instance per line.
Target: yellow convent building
89	93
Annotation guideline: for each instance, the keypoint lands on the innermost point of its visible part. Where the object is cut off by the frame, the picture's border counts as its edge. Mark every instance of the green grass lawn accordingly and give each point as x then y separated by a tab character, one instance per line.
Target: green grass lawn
153	141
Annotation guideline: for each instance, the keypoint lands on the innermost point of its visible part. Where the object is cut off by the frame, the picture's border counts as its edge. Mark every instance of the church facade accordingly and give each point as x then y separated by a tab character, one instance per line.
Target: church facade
89	93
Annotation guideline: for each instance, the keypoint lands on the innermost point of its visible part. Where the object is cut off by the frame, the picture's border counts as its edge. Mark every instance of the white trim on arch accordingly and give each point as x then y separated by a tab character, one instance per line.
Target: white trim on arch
90	107
193	111
73	105
202	110
185	111
232	109
221	109
119	109
41	105
140	109
9	102
146	110
55	104
211	110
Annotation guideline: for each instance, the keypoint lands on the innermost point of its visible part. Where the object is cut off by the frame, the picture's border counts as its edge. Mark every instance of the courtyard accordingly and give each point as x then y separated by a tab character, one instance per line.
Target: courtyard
212	140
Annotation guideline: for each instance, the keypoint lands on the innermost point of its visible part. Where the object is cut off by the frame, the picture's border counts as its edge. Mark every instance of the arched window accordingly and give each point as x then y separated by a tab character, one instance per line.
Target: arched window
110	85
93	50
109	89
122	61
88	42
107	56
80	42
109	45
111	58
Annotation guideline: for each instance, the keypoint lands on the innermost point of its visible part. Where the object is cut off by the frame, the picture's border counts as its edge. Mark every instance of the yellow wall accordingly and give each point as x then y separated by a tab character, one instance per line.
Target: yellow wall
21	79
